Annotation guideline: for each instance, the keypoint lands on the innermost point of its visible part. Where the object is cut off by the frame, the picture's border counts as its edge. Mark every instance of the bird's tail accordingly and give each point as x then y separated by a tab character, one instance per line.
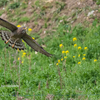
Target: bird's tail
13	42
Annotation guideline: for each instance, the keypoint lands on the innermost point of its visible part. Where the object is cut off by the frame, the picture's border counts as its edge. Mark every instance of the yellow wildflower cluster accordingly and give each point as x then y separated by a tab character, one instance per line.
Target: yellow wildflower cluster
79	47
18	25
85	48
83	58
95	60
74	39
61	45
75	45
57	64
79	55
79	62
17	49
84	54
73	56
65	52
18	58
33	38
59	60
22	40
23	54
29	29
65	57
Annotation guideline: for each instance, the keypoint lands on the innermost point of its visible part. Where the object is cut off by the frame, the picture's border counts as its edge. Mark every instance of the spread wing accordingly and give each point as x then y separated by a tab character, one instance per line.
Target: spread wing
34	45
7	24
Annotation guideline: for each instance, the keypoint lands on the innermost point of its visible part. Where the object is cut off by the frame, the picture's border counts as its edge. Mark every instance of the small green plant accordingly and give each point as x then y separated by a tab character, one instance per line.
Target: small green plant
24	19
14	5
61	4
37	3
24	5
1	12
3	2
97	2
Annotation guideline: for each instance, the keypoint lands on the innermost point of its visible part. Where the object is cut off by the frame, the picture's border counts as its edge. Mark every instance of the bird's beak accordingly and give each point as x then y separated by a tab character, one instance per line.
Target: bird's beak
25	28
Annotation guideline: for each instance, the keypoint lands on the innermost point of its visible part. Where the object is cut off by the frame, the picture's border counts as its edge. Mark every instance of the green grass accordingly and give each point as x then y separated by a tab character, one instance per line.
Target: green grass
71	75
39	75
24	19
3	2
14	5
97	2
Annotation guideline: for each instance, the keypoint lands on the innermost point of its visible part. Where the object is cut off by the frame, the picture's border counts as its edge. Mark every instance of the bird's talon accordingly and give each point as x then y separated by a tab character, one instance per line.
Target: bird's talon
13	46
7	41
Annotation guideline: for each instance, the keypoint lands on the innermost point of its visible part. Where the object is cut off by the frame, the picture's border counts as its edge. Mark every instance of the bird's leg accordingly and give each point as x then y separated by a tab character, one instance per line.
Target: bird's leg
15	42
7	41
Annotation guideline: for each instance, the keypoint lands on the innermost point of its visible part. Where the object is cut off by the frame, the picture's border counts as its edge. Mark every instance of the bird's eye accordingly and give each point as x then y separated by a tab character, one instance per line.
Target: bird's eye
23	31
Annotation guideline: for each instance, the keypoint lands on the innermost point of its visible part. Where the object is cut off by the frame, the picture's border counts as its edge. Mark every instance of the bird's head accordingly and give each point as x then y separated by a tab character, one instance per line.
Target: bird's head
23	30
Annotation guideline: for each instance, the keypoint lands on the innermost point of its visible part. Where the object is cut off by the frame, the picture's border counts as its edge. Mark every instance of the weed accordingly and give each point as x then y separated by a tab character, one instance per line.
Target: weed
3	2
14	5
72	73
24	19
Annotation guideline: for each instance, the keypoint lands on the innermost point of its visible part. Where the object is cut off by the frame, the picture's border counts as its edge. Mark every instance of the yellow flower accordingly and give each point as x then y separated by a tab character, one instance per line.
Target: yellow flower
84	54
95	60
29	29
75	45
79	55
65	57
79	62
74	39
63	51
66	51
18	58
17	49
22	62
24	53
22	40
79	48
58	61
61	45
33	38
22	50
73	56
61	59
18	26
83	58
85	48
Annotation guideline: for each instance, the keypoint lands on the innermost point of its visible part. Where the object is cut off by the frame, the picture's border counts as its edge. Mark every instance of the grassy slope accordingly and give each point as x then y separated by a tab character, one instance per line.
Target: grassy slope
39	75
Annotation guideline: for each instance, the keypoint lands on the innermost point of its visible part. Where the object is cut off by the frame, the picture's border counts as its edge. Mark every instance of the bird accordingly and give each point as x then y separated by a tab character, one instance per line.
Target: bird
16	35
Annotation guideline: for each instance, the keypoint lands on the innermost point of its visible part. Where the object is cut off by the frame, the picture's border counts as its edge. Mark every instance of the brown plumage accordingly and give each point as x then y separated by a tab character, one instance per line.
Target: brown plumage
14	38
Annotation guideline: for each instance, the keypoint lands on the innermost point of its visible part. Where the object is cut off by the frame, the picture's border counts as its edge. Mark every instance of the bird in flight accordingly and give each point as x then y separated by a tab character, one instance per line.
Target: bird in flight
14	38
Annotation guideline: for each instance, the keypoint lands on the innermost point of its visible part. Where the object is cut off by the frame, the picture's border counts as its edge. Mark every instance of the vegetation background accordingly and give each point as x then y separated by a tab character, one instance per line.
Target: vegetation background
70	30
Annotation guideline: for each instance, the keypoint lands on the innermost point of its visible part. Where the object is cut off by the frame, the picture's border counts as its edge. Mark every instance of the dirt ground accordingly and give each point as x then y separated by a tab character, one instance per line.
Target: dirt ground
72	12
